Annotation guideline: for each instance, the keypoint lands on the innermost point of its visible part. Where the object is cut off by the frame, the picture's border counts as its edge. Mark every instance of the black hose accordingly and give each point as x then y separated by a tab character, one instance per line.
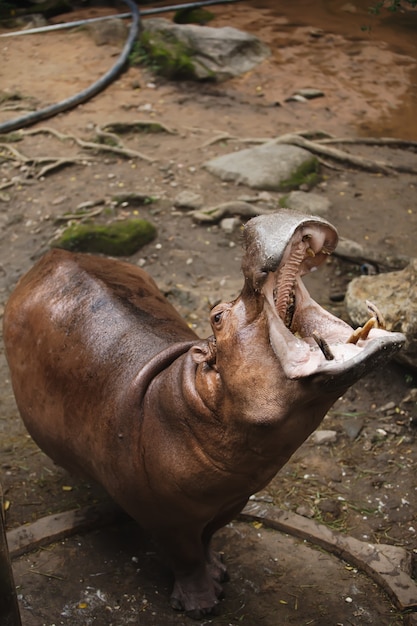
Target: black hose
103	18
92	90
106	79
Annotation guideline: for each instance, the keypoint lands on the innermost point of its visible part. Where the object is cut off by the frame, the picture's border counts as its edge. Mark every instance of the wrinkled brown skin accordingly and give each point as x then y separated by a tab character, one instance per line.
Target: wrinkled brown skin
112	383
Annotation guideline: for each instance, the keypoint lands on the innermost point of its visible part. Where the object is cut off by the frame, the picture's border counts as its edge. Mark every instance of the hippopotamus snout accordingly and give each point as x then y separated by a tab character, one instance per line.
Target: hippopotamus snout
308	340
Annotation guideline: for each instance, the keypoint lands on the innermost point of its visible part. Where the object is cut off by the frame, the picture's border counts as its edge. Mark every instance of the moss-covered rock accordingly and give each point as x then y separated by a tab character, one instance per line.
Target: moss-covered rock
270	167
194	52
116	239
306	174
166	55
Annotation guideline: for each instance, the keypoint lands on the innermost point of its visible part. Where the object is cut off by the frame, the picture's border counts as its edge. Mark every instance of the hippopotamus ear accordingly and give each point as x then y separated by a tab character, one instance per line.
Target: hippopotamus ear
204	351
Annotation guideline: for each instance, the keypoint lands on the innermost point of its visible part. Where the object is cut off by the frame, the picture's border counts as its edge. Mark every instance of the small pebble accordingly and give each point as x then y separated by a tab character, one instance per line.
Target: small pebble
386	407
321	437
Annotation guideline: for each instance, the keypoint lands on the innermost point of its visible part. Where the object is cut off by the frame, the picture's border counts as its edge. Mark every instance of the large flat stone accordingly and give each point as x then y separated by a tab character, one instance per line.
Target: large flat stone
213	53
272	167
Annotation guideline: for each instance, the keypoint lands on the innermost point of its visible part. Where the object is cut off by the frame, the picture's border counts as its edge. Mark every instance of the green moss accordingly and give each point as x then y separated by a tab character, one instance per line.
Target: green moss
283	202
133	198
306	174
139	126
116	239
165	55
137	54
106	141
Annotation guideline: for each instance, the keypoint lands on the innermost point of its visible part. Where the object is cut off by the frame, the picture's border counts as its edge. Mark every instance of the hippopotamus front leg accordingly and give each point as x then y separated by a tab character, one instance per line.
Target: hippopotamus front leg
198	569
196	588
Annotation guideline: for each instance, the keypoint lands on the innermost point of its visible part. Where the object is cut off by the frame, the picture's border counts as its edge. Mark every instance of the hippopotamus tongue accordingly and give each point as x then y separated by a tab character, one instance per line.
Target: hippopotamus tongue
308	340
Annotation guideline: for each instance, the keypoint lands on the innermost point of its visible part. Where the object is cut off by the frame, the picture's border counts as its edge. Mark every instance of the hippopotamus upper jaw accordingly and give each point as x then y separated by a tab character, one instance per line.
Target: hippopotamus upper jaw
307	340
273	240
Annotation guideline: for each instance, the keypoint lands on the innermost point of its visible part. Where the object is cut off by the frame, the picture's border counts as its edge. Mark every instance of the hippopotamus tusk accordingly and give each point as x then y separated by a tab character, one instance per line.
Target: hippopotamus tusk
111	382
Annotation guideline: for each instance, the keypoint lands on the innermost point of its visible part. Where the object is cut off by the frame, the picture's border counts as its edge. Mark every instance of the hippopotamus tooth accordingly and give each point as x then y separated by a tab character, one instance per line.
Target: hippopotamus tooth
111	382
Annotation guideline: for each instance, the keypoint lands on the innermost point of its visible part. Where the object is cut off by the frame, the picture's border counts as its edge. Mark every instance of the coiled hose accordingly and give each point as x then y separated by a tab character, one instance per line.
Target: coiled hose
92	90
106	79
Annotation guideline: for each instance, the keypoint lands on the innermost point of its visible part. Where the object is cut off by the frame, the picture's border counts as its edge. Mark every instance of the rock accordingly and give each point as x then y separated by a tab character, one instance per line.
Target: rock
109	32
349	8
296	98
320	437
133	198
330	509
411	396
351	250
309	94
271	167
26	22
354	251
389	406
305	511
200	52
310	203
353	427
229	224
117	239
395	295
302	95
188	200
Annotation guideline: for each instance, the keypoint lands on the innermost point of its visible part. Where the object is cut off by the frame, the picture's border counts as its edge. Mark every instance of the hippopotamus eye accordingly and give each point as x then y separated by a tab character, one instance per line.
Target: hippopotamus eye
217	317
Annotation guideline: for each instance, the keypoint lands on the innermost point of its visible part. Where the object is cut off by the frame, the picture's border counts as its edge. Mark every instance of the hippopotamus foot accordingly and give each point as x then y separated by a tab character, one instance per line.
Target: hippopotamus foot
216	566
197	594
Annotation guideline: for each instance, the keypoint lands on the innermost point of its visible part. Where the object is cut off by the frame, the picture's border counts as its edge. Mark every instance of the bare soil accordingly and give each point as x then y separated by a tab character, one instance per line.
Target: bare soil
364	483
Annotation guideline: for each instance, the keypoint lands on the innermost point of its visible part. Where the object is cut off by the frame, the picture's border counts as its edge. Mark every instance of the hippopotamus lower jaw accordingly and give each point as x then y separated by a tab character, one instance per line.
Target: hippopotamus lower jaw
316	343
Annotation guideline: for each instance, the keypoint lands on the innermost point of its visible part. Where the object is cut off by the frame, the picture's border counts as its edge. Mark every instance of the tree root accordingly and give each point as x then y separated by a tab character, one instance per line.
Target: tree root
338	155
120	148
53	162
318	142
139	126
227	209
110	143
87	215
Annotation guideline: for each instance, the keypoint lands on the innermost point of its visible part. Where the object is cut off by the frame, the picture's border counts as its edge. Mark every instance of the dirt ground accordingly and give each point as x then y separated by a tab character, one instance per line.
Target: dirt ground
364	483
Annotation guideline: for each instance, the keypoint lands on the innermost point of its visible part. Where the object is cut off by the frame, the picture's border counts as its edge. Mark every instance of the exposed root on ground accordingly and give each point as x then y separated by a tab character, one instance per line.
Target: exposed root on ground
318	142
10	153
106	142
139	126
120	148
227	209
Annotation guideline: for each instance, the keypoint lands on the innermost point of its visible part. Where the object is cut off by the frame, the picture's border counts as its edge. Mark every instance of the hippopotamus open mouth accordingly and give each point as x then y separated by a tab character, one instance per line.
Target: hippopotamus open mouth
307	339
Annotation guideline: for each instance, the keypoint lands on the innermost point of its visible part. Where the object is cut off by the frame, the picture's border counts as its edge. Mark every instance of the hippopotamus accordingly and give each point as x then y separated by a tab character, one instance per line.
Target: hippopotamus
112	383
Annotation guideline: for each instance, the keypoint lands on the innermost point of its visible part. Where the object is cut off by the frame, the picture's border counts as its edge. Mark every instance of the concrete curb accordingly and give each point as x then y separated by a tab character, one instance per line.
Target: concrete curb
388	566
